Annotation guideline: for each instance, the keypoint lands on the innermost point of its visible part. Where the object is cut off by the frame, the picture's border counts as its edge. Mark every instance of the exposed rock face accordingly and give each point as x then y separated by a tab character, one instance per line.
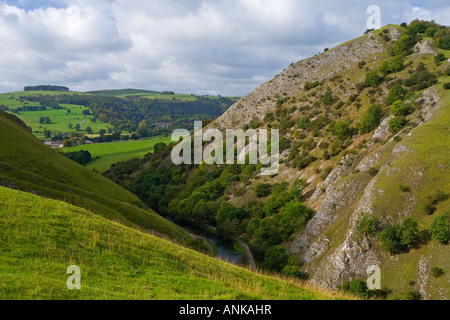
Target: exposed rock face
383	130
424	47
262	101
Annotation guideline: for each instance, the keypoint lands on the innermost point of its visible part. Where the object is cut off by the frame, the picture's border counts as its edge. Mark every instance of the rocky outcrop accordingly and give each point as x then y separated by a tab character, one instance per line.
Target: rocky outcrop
424	47
263	100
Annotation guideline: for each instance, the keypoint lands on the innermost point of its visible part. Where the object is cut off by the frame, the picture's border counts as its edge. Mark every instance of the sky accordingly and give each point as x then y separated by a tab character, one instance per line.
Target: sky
225	47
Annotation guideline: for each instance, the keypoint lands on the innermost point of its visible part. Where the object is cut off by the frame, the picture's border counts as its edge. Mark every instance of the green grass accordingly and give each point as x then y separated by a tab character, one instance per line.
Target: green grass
122	93
27	164
40	238
110	153
60	118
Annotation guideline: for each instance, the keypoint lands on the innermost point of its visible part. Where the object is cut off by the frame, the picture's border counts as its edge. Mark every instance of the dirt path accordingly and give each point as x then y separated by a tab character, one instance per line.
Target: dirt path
251	260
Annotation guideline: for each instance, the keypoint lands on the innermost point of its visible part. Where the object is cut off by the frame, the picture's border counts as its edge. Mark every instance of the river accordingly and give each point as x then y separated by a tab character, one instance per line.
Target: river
225	249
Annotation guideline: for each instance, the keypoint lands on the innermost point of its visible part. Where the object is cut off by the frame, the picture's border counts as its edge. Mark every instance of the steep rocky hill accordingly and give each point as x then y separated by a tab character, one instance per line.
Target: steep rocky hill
391	172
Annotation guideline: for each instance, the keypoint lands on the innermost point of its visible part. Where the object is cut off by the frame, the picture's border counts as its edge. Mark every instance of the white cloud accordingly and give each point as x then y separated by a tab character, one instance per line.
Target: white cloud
202	46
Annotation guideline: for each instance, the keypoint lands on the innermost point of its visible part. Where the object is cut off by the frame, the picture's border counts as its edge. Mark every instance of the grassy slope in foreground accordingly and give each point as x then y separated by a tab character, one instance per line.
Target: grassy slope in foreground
27	164
40	238
110	153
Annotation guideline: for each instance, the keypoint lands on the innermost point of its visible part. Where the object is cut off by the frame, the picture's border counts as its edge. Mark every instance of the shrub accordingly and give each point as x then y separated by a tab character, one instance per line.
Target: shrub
304	122
275	258
367	224
447	85
404	188
440	229
420	79
311	85
342	129
437	272
371	120
429	209
396	93
372	79
327	98
357	287
391	239
439	58
395	65
410	232
401	109
292	271
269	117
253	225
263	190
412	295
396	124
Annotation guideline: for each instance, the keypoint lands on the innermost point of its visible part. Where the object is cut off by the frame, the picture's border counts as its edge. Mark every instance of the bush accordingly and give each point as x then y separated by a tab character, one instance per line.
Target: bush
263	190
440	229
398	238
396	93
371	120
437	272
412	295
372	79
253	225
357	287
292	271
391	239
410	232
400	109
439	58
342	129
404	188
395	65
367	224
304	122
447	85
396	124
275	258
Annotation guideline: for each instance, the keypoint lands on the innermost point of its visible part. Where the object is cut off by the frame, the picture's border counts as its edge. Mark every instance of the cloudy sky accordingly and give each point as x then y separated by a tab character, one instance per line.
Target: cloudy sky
225	47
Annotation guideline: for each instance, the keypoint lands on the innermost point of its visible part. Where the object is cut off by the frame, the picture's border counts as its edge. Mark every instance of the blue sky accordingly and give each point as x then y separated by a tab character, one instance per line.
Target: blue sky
225	47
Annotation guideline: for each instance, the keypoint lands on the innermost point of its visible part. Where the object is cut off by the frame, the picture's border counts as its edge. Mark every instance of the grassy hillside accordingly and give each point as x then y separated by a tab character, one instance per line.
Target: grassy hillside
27	164
40	238
110	153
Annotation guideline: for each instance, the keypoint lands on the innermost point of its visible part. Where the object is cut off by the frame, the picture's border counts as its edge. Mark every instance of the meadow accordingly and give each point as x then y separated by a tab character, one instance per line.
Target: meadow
60	119
41	238
110	153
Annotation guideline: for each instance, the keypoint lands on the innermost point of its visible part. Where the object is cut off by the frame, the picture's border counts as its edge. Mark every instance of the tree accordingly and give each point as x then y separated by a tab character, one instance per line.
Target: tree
86	112
440	229
47	120
371	120
304	122
70	126
89	130
78	127
41	120
275	258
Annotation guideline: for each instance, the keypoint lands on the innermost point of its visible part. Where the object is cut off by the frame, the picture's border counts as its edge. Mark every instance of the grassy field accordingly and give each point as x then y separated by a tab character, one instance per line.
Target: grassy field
27	164
110	153
60	118
152	95
40	238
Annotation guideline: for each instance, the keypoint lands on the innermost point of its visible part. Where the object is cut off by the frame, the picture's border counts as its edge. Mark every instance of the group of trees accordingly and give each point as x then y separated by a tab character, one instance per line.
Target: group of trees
144	116
45	88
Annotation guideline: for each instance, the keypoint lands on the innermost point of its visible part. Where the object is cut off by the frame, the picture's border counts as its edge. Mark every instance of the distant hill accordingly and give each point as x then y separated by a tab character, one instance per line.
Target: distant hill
27	164
121	92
